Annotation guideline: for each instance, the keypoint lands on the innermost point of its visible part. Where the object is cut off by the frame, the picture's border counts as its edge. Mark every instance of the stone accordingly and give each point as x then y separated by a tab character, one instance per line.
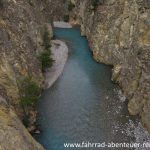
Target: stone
119	35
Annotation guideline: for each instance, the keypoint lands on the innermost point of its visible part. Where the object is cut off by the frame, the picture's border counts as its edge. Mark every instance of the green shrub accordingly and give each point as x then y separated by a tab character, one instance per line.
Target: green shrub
26	121
94	4
29	92
46	56
66	18
31	3
70	6
46	39
1	3
46	59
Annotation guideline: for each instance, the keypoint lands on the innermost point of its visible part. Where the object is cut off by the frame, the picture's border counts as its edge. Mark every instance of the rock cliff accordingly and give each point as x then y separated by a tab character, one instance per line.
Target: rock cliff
22	25
118	32
13	135
119	35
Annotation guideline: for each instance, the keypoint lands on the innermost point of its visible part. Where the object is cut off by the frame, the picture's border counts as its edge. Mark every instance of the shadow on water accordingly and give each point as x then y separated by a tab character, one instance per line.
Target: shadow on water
83	105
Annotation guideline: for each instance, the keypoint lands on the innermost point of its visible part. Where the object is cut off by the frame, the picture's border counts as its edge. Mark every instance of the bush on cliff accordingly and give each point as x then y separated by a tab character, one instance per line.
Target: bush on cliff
46	39
29	92
46	56
70	6
94	3
26	121
66	18
1	3
46	59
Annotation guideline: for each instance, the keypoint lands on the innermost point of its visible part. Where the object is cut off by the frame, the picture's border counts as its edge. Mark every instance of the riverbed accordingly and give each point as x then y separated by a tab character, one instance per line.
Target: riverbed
83	105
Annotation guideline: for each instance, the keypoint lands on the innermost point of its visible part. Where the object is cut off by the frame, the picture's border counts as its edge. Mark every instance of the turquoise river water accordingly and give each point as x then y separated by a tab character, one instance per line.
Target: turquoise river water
83	105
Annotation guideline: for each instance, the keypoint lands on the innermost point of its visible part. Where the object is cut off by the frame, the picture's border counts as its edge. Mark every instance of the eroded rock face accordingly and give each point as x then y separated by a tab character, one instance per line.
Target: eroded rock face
21	39
22	24
119	34
13	135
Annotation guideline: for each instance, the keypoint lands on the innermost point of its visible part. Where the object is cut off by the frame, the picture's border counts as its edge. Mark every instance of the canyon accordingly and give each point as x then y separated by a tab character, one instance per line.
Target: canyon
118	33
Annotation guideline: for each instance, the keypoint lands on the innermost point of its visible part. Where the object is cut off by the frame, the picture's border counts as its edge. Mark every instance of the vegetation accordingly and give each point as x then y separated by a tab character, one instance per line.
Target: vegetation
31	3
26	121
46	56
94	4
46	59
46	39
1	3
29	92
70	6
66	18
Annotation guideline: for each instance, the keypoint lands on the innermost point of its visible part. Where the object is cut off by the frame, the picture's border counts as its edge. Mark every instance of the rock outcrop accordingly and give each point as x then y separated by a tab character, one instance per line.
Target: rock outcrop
22	25
13	135
119	34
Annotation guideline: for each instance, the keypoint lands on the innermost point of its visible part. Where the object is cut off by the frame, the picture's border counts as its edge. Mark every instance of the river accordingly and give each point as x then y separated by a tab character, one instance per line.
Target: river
84	104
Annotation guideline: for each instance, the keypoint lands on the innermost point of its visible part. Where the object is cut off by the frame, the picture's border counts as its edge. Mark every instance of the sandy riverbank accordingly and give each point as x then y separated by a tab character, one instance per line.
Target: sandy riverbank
60	55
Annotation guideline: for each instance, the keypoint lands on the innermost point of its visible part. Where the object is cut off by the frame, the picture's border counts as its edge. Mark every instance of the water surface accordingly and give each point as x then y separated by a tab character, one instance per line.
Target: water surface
82	105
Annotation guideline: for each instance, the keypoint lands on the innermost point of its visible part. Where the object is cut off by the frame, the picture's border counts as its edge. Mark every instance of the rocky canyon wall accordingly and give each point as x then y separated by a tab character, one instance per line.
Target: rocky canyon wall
118	32
22	25
119	35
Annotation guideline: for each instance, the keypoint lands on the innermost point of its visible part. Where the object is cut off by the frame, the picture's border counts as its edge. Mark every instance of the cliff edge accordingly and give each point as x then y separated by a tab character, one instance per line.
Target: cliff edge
119	34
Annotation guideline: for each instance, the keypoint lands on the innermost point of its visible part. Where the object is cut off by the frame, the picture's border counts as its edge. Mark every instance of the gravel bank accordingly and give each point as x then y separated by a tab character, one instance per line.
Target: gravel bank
60	55
61	24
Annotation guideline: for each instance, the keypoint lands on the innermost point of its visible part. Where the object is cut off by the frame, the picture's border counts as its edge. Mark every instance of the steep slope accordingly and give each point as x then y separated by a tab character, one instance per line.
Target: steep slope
22	25
119	35
13	135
